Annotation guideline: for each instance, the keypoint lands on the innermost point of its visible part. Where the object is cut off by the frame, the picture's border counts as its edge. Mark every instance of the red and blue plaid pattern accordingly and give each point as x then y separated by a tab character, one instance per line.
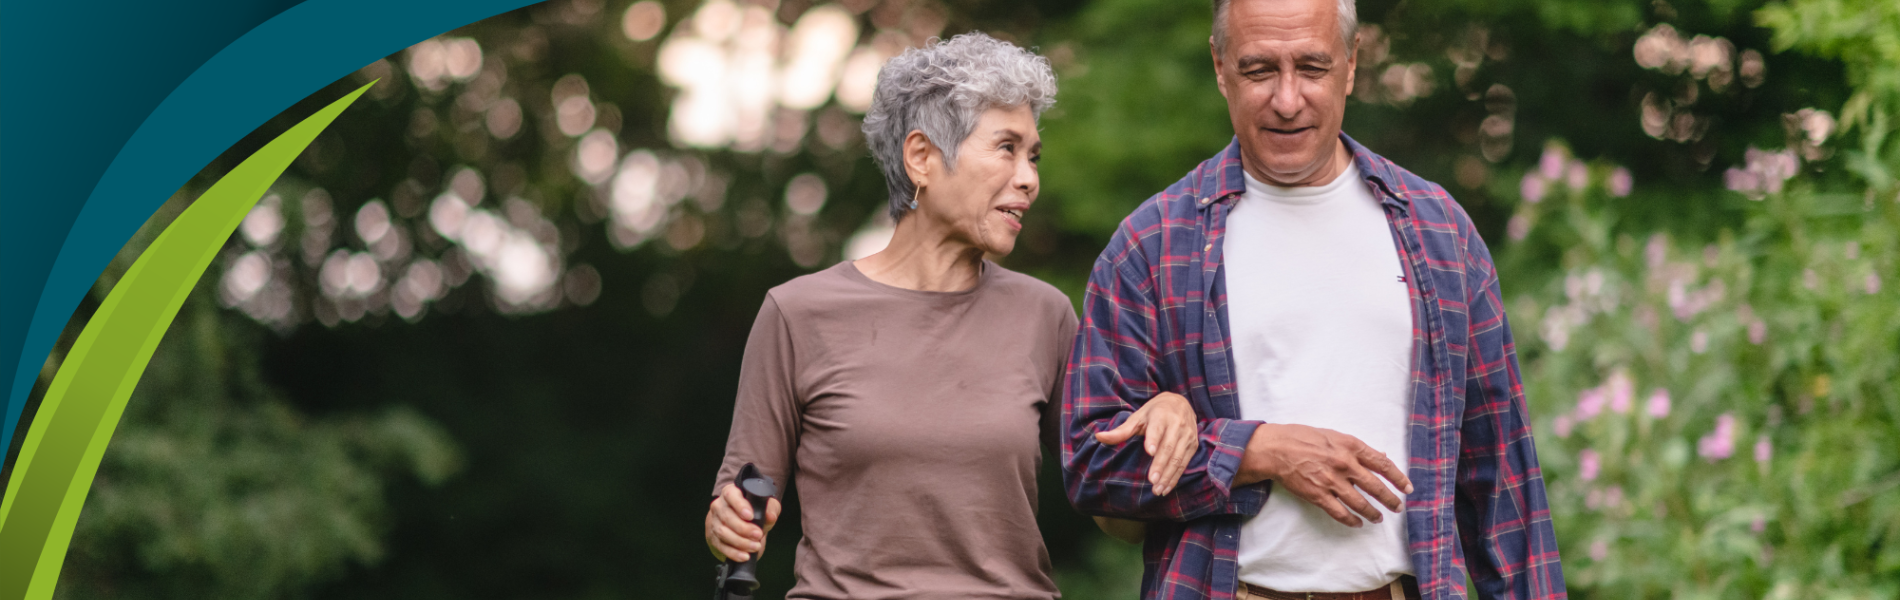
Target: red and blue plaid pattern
1155	319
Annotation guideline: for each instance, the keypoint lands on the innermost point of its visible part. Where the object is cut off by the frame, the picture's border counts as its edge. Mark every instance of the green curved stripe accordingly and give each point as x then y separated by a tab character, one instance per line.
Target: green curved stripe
61	452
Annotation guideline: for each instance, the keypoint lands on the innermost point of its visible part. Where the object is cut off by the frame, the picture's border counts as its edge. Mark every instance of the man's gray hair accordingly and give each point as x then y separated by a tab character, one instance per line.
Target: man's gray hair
1348	23
940	89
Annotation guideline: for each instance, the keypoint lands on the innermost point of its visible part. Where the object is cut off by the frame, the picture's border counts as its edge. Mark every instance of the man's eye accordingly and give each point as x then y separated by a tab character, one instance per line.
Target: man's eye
1037	159
1008	147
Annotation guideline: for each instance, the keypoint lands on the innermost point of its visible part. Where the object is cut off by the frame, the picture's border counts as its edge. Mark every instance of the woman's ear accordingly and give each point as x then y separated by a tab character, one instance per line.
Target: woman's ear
917	150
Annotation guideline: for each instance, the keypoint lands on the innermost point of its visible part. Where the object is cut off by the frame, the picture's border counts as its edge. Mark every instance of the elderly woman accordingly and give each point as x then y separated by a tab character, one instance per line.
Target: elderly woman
906	396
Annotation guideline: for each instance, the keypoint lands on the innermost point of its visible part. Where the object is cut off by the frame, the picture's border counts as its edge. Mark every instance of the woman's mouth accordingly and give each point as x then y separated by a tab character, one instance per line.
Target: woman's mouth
1015	215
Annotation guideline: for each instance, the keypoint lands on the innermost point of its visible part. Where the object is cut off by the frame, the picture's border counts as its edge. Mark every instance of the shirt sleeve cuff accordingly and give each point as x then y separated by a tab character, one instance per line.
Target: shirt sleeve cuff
1224	463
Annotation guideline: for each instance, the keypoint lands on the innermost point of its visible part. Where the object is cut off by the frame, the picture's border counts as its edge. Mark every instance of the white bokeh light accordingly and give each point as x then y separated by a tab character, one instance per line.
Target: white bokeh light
594	157
372	222
814	54
448	214
265	221
643	20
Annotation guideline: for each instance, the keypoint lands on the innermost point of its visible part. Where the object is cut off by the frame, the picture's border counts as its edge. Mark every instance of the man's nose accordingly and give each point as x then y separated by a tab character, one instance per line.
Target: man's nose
1286	101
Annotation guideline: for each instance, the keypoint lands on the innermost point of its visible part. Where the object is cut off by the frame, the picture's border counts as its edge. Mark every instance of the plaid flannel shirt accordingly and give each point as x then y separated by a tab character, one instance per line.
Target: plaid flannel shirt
1155	319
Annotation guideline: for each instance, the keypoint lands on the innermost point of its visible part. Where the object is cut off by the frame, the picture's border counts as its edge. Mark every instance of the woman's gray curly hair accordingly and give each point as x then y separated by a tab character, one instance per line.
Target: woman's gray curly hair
940	89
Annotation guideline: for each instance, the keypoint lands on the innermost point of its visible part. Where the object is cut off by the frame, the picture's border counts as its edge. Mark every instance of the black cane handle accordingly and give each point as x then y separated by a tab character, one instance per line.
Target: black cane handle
740	579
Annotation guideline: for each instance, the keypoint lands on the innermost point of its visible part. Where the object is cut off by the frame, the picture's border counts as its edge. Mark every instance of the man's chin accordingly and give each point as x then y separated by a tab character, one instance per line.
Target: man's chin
1283	172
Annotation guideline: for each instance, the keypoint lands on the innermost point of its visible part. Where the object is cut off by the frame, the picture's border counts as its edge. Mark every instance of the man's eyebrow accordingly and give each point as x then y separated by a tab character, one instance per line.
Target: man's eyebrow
1252	60
1316	58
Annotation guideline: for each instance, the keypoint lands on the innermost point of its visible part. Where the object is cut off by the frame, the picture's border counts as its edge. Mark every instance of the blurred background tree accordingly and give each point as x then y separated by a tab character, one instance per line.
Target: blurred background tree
535	249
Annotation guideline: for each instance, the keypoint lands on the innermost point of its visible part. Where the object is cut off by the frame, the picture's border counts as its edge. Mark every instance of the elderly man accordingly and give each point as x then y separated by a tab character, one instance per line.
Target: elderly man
1329	316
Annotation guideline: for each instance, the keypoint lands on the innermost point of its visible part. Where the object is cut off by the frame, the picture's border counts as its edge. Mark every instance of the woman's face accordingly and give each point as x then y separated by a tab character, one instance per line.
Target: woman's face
982	202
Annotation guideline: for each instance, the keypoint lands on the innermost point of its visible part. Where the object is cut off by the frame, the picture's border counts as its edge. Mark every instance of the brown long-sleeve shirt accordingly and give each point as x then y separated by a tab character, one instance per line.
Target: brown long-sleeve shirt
911	425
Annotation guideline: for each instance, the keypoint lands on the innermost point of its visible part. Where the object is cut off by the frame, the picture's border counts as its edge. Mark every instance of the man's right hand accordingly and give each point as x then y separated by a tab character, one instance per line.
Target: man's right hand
1324	467
729	529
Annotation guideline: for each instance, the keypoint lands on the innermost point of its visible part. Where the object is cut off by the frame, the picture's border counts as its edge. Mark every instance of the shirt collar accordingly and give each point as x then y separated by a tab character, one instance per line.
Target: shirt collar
1228	179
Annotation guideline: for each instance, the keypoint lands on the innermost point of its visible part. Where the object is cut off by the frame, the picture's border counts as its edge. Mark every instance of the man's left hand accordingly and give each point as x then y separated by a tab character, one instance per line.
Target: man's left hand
1170	433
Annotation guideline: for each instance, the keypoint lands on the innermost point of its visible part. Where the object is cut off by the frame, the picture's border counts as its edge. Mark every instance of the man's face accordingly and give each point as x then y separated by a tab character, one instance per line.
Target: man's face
1286	74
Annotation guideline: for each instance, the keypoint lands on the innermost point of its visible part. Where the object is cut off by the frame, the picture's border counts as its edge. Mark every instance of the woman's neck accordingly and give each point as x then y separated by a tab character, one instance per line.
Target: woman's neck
924	258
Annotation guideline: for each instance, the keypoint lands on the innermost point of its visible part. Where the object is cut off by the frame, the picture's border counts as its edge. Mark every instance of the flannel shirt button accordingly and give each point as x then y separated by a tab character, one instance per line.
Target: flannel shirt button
1209	248
1207	200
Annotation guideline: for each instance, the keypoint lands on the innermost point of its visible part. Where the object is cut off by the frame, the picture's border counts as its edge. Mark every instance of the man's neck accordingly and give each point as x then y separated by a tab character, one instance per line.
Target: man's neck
1335	164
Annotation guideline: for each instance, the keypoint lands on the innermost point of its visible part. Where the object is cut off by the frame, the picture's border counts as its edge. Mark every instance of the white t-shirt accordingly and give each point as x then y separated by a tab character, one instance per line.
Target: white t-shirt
1322	333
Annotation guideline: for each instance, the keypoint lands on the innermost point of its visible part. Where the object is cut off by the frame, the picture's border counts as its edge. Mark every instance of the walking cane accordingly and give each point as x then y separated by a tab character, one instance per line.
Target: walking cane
737	580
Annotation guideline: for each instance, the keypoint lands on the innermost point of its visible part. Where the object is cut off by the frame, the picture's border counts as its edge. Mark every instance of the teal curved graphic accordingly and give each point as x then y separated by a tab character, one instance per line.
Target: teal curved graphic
68	211
61	452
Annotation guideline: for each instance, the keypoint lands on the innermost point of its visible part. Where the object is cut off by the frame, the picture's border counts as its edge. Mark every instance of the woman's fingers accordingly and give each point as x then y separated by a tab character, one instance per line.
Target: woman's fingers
735	513
736	500
1163	457
729	529
771	513
1175	443
1126	431
720	537
1185	445
729	543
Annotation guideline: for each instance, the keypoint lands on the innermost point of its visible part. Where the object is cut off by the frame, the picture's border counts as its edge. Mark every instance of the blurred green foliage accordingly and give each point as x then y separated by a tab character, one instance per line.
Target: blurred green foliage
1719	408
217	487
1692	204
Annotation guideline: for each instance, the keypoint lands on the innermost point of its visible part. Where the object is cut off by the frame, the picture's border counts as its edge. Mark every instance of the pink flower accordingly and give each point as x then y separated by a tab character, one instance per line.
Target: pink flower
1746	182
1589	403
1621	182
1873	283
1719	444
1599	550
1621	391
1759	525
1757	332
1656	251
1532	188
1562	425
1578	177
1659	403
1699	341
1764	450
1551	164
1589	464
1518	228
1679	299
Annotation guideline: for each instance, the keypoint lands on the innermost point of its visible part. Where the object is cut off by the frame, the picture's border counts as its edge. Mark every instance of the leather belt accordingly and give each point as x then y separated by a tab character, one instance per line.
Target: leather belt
1403	588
